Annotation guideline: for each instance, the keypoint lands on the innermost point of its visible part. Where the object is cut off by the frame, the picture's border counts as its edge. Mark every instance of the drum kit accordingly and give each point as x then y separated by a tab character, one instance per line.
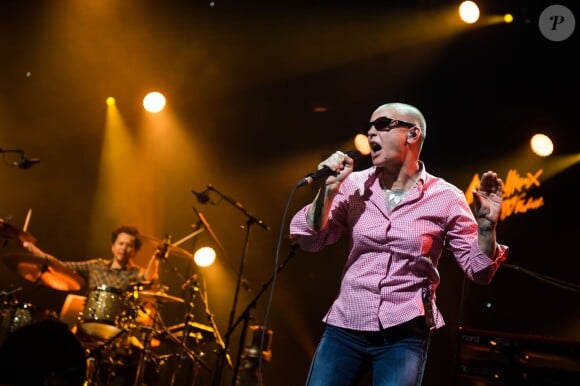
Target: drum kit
119	328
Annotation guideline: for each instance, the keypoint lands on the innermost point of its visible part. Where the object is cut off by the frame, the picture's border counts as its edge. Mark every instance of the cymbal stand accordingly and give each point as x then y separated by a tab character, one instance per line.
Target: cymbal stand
95	356
191	285
251	220
216	333
195	358
145	356
164	330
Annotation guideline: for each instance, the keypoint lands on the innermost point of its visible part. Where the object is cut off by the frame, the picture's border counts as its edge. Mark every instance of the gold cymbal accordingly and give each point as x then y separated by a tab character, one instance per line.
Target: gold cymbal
9	231
160	243
158	297
41	270
200	332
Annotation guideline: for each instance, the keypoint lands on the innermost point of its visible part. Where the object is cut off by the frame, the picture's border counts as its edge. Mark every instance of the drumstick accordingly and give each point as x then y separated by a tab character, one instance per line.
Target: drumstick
25	227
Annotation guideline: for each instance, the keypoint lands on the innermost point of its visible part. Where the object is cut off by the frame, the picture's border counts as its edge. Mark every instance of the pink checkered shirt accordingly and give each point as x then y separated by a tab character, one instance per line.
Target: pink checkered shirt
393	256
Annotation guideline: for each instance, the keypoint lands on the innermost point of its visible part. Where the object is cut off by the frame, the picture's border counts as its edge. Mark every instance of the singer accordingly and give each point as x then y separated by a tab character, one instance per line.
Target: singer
399	218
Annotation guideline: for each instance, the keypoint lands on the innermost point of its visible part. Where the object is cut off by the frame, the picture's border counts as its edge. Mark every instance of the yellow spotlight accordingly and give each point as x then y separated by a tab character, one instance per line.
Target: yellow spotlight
154	102
204	257
110	101
469	12
508	18
541	145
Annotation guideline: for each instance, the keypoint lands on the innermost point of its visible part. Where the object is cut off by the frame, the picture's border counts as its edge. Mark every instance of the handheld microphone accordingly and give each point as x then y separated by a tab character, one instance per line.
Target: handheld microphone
325	171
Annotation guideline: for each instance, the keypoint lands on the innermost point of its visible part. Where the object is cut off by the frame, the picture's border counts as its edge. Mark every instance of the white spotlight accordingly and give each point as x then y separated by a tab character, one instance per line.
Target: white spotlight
541	145
204	257
154	102
469	12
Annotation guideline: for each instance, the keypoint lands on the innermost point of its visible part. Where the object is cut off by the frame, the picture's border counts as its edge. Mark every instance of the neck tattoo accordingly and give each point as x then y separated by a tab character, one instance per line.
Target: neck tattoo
396	196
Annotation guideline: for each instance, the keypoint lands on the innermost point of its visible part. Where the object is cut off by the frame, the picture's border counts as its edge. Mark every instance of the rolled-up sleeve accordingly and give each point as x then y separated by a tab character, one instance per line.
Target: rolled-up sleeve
311	240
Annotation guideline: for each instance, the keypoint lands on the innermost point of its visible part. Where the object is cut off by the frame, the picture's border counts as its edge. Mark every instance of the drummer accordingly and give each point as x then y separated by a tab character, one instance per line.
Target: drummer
122	273
119	272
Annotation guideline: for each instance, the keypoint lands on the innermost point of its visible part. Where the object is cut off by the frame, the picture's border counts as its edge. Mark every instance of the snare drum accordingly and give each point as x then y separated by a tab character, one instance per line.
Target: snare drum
103	313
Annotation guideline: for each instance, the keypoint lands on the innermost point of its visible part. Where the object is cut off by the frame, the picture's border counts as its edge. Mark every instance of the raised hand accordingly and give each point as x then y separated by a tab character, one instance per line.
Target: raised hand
488	198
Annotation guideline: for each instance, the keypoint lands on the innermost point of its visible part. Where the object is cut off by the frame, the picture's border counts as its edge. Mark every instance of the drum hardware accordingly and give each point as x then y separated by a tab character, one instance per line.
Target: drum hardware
148	356
185	352
180	335
91	373
44	271
104	352
157	297
145	356
109	360
140	318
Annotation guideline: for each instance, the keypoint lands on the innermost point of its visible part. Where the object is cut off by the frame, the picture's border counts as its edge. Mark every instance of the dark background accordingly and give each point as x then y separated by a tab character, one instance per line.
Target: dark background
245	79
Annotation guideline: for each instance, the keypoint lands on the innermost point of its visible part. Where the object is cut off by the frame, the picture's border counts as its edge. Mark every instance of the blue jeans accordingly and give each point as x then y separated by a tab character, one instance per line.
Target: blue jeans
396	356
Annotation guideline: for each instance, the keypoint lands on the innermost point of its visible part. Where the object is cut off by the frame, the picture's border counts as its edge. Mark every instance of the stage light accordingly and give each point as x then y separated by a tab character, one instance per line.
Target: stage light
361	143
469	12
541	145
110	101
508	18
204	257
154	102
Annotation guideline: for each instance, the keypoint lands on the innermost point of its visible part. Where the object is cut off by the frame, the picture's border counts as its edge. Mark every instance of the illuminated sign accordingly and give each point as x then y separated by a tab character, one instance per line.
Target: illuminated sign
515	193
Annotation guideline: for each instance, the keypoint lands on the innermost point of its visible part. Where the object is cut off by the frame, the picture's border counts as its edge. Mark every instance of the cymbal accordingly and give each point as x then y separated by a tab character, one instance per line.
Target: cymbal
171	249
198	331
41	270
158	297
9	231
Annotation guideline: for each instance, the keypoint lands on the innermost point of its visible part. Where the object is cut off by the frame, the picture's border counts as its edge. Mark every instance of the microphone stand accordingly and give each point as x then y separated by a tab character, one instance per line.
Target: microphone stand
222	346
246	315
251	220
24	162
239	207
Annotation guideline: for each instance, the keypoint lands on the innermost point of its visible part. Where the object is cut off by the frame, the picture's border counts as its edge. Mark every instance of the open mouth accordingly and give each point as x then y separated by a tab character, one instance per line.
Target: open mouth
375	146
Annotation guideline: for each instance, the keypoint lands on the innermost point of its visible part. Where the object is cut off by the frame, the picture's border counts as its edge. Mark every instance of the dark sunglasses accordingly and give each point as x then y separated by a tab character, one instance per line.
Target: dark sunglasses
385	124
